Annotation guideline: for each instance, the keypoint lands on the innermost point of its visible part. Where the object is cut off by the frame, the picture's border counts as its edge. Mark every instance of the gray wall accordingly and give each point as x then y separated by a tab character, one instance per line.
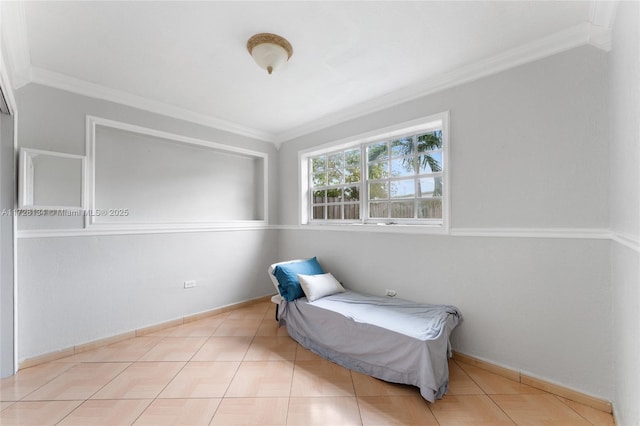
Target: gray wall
528	150
75	289
7	201
625	210
528	146
79	289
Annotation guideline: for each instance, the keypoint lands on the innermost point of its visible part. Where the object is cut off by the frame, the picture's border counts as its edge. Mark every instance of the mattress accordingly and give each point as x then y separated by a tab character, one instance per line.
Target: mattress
391	339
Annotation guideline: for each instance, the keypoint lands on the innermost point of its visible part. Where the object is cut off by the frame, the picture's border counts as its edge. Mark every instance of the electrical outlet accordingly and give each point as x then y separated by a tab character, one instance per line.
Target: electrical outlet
190	284
390	293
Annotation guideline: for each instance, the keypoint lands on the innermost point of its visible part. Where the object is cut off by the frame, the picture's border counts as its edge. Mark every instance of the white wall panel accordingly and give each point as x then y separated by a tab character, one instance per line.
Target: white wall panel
55	120
625	209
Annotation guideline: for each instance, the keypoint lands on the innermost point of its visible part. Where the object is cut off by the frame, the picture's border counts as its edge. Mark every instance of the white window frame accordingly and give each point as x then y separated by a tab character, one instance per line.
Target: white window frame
424	124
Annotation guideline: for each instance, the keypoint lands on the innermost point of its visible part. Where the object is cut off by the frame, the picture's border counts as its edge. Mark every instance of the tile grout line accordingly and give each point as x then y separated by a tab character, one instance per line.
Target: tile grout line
98	390
126	368
10	403
69	413
142	412
571	408
225	391
293	372
224	395
545	393
484	392
501	409
430	410
46	383
152	400
110	381
176	375
353	385
72	365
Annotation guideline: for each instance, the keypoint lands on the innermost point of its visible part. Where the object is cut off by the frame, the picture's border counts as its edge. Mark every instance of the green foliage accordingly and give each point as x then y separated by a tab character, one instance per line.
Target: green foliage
379	191
378	151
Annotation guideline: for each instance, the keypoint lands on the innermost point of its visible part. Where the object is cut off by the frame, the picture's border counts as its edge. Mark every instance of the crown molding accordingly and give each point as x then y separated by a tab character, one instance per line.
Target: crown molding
81	87
597	32
602	17
15	47
600	37
603	13
6	87
570	38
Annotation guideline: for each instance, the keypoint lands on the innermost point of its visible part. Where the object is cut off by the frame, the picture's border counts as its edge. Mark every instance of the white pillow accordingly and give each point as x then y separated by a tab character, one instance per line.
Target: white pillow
321	285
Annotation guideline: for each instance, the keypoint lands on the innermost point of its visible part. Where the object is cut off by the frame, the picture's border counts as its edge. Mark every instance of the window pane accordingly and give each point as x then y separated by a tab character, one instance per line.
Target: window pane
402	210
318	212
379	170
430	141
431	162
334	195
402	167
402	147
352	158
430	187
352	211
318	164
336	161
334	212
405	188
430	208
352	175
319	179
352	194
379	191
378	210
335	177
318	197
378	151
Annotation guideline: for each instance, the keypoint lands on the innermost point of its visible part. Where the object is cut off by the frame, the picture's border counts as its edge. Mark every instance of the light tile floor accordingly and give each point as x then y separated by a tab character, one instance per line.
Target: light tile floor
240	368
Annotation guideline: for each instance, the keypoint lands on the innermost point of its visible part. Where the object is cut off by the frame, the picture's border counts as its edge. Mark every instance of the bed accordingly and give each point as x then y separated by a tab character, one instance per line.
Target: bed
391	339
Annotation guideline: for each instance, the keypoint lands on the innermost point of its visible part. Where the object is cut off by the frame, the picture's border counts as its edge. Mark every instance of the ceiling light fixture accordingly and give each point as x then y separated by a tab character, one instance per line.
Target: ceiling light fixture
270	51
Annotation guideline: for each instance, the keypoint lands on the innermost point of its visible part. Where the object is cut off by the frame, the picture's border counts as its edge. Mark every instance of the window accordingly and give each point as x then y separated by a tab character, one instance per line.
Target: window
394	177
335	182
404	177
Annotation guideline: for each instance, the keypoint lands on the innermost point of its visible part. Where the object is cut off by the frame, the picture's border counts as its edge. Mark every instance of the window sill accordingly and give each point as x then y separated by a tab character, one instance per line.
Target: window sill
396	228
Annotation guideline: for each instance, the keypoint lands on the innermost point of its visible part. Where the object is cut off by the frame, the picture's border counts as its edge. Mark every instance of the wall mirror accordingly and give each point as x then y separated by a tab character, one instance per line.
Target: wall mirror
50	180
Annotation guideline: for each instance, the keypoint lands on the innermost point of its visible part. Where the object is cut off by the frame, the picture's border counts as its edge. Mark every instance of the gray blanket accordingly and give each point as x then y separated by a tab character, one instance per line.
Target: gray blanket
391	339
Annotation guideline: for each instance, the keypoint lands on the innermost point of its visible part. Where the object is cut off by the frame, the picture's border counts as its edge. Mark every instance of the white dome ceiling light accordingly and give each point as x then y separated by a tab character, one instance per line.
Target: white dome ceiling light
270	51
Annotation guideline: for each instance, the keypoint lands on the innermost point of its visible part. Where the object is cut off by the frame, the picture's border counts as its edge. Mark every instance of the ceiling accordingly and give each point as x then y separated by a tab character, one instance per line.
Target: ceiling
189	59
